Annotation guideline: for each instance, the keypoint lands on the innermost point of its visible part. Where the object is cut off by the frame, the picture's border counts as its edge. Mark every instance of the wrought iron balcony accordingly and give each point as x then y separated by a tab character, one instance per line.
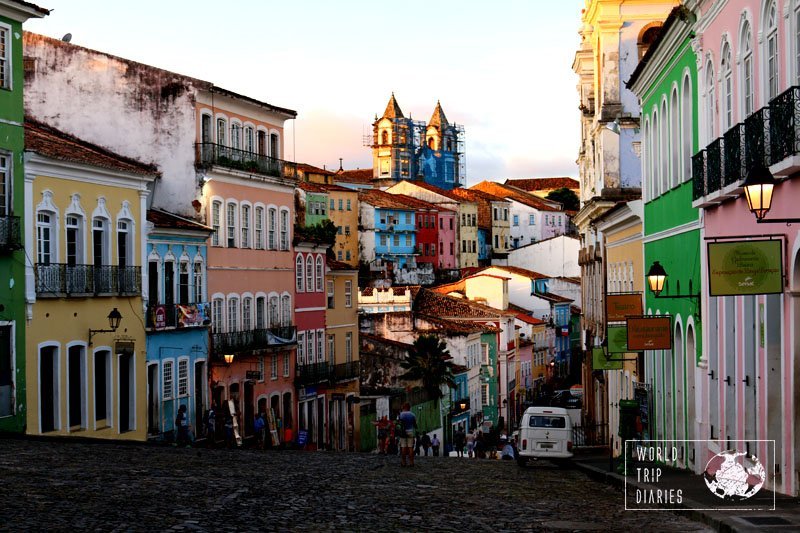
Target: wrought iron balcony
699	175
314	373
784	125
10	234
56	280
734	147
756	139
253	340
209	154
714	166
346	371
190	315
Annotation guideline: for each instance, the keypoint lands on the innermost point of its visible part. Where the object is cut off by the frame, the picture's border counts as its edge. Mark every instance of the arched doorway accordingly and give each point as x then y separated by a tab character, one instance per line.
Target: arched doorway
691	395
680	392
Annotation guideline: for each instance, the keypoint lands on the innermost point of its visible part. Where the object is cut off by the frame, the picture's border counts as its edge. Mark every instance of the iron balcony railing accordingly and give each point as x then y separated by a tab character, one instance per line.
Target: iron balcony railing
312	373
346	371
209	154
756	138
699	175
714	166
255	339
86	280
190	315
10	234
784	125
734	148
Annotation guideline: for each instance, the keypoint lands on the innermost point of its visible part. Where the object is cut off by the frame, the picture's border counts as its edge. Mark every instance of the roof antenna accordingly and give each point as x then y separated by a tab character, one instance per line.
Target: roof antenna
340	164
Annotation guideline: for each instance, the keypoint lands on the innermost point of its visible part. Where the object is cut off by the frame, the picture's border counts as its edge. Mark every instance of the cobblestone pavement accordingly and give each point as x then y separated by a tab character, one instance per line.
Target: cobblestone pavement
108	486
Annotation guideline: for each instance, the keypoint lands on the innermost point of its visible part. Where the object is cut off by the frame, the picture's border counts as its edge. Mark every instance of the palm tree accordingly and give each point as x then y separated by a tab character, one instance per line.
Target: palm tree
429	361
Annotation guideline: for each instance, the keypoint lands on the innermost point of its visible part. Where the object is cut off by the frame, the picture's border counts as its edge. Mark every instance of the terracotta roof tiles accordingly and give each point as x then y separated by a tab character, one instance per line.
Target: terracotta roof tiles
512	193
359	175
381	199
311	169
543	184
163	219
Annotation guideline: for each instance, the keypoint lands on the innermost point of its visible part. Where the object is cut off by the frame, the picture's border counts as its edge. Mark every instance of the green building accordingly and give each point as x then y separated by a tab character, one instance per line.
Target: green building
489	378
666	83
316	203
12	209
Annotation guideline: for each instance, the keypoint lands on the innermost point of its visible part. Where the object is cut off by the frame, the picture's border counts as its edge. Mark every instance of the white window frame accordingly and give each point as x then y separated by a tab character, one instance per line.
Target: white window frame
332	348
245	212
771	53
348	347
217	315
348	293
284	222
216	219
727	86
321	345
301	348
747	86
231	216
309	273
6	67
6	183
167	379
320	274
232	314
183	377
272	226
258	224
299	273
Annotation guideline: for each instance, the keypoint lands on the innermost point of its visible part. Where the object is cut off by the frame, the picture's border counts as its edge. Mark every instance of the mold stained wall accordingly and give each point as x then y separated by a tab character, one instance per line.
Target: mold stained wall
130	108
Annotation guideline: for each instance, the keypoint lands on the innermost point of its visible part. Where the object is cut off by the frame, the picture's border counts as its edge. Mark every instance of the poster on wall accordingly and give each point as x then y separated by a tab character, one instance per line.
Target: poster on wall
745	267
617	339
649	333
601	362
621	306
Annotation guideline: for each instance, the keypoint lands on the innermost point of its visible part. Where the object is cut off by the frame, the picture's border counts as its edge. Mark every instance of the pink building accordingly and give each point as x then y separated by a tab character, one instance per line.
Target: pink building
447	224
747	380
248	200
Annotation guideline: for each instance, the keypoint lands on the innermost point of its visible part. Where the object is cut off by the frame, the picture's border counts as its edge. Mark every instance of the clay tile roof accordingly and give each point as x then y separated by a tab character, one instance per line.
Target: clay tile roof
333	264
359	175
543	184
30	5
438	120
456	286
416	203
434	304
518	270
383	340
505	191
310	186
163	219
453	327
392	109
311	169
50	142
251	100
437	190
483	200
382	199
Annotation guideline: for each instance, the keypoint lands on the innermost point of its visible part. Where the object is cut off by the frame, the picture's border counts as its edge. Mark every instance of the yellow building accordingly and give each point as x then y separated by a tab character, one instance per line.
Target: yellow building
622	228
341	330
84	240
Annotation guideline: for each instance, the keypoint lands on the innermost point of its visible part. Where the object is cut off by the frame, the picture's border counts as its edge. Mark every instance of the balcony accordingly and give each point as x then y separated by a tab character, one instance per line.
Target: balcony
784	125
10	234
253	340
314	373
346	371
734	167
57	280
211	154
178	316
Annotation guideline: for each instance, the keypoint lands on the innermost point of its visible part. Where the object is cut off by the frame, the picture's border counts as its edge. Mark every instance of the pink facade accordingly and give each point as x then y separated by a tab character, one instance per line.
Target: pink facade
748	376
447	224
310	302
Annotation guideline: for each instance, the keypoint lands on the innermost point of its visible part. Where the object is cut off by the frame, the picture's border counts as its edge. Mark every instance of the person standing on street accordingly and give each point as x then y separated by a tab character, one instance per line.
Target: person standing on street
470	444
435	445
409	424
182	427
459	439
425	441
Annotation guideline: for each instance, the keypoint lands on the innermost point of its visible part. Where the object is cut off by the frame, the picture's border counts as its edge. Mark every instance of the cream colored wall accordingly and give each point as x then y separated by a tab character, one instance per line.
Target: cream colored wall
493	290
65	321
341	320
630	251
468	233
345	218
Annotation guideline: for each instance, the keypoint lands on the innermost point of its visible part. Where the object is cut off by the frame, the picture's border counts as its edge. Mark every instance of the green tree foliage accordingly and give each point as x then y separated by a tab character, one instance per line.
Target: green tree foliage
429	361
567	197
323	233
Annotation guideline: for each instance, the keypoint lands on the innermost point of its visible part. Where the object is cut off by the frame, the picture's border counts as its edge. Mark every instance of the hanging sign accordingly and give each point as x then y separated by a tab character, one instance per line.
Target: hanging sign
745	267
160	314
621	306
649	333
617	339
601	362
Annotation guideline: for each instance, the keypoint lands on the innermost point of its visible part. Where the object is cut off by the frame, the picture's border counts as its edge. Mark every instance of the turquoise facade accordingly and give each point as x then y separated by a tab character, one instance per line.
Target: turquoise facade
316	208
395	235
492	378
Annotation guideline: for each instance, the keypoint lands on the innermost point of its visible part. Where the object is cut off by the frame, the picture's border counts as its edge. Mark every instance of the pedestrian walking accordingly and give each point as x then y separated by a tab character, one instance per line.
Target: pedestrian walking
409	426
229	440
459	439
426	443
471	444
258	428
211	426
480	446
182	427
382	426
435	445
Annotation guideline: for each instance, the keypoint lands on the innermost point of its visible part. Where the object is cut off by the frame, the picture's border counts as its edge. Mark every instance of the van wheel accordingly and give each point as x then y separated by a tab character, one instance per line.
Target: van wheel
522	462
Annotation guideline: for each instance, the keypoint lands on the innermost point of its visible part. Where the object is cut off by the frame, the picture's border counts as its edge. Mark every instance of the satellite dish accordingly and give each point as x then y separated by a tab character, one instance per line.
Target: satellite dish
67	38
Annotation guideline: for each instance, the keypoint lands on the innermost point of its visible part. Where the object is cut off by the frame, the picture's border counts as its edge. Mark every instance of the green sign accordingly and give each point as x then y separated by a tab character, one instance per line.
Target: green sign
601	362
745	267
617	339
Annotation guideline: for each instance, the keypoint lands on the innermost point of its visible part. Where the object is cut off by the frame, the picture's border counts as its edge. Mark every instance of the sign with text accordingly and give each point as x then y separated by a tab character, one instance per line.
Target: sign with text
745	267
601	362
617	339
649	333
621	306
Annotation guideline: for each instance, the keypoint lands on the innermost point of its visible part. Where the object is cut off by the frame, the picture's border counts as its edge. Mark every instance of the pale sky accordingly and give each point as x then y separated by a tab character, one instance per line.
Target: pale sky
503	68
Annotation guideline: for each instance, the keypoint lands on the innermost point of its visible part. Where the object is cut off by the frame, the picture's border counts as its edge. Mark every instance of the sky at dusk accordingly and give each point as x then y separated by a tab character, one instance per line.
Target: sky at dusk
502	69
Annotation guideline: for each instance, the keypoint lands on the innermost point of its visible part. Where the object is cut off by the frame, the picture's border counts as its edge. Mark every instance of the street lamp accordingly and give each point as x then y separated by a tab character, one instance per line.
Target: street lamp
657	278
758	188
114	318
228	358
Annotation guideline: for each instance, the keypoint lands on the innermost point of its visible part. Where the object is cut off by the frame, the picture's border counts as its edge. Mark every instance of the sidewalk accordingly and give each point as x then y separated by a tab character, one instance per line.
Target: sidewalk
695	495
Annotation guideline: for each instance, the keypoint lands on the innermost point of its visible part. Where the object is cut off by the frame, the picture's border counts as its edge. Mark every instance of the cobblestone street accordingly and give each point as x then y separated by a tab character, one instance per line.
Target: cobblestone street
59	485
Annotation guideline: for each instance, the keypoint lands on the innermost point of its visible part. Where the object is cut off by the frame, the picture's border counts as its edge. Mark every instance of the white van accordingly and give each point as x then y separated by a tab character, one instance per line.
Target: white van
544	433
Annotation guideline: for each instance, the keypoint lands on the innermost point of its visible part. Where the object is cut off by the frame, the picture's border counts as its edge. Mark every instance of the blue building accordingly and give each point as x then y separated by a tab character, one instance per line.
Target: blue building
484	246
385	220
406	149
177	322
561	317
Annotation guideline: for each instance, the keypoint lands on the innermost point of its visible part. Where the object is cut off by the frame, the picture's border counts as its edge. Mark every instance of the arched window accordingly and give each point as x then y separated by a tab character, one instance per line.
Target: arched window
711	103
274	311
245	226
230	223
727	88
431	143
258	238
236	136
216	215
664	147
384	137
247	313
198	281
771	51
320	273
233	314
688	127
221	129
249	139
646	38
271	222
309	273
286	310
674	150
747	89
655	156
284	229
648	184
299	274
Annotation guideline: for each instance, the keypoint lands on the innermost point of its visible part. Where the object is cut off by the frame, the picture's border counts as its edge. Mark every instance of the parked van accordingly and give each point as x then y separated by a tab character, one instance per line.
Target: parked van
544	433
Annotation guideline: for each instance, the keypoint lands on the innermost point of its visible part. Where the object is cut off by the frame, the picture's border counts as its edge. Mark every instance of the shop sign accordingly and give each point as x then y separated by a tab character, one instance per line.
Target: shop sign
601	362
192	315
253	374
649	333
621	306
617	339
160	315
745	267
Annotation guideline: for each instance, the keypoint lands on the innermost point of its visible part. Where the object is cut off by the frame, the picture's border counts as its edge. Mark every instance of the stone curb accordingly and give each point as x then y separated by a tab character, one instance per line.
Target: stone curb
612	478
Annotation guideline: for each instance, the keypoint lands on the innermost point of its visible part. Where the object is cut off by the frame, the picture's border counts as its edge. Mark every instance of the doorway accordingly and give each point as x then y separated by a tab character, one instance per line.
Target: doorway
127	389
152	399
48	388
321	422
76	387
199	395
249	415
